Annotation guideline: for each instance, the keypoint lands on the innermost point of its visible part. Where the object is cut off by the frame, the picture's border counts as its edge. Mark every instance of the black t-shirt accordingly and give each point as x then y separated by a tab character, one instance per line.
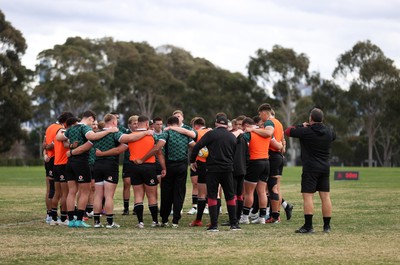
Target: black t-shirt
315	141
221	145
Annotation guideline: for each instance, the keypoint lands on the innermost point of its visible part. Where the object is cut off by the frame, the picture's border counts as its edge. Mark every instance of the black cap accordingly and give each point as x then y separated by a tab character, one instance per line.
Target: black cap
221	120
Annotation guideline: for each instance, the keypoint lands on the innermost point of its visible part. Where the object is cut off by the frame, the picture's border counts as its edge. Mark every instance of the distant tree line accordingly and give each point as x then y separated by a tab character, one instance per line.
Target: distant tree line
361	101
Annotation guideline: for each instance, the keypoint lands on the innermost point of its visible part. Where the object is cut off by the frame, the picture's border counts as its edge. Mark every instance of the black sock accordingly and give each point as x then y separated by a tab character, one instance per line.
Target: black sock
263	212
308	221
64	215
89	208
246	210
214	210
154	212
110	219
79	215
219	204
71	215
194	199
126	204
54	214
327	221
275	215
232	214
239	209
201	205
96	218
255	205
138	208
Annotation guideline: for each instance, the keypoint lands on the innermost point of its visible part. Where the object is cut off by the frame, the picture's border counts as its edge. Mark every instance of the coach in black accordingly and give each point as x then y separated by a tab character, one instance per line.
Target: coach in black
315	140
221	145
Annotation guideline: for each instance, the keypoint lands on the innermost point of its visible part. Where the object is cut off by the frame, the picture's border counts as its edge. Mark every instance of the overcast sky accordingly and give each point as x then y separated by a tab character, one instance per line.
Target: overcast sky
226	32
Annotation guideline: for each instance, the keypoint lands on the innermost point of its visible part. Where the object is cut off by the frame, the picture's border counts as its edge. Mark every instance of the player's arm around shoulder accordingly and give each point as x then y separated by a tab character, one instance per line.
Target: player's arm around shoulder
94	136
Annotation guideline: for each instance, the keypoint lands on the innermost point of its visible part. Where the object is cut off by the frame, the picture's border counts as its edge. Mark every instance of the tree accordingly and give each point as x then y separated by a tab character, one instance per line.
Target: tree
371	76
142	83
74	77
213	90
339	113
15	104
283	70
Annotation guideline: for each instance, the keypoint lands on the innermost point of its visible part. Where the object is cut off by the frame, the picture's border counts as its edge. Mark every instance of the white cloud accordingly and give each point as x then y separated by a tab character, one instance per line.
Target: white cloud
225	32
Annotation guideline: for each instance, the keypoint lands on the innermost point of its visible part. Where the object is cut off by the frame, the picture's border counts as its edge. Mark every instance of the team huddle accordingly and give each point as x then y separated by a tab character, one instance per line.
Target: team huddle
242	158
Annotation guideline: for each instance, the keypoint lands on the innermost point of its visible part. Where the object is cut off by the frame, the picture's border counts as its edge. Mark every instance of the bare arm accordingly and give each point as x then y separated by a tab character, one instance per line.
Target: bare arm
60	136
80	149
113	151
161	159
275	144
132	137
283	150
264	132
93	136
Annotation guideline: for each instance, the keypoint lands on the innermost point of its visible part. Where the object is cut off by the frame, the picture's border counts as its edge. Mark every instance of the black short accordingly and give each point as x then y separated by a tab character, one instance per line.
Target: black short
158	168
214	179
193	173
257	170
59	173
314	181
49	167
78	170
201	172
143	174
104	170
275	164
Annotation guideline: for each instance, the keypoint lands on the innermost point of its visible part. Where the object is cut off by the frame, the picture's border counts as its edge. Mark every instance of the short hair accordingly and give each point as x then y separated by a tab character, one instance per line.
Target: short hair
248	121
142	118
71	121
172	120
65	116
192	121
88	114
256	119
101	125
264	106
199	121
177	111
240	117
317	115
221	114
157	119
133	118
109	117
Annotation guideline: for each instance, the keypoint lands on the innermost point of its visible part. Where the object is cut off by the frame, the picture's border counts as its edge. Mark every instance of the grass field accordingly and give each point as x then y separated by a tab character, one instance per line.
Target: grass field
365	229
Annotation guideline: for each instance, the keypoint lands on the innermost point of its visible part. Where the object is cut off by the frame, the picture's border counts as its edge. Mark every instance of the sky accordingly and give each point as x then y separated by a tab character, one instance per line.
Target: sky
225	32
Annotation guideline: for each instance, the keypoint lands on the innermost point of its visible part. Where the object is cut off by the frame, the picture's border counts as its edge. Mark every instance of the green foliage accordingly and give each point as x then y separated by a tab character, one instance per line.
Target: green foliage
373	79
15	103
73	78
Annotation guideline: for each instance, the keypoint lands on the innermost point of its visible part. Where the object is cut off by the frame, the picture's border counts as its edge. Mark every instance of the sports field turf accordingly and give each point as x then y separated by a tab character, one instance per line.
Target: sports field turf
365	229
